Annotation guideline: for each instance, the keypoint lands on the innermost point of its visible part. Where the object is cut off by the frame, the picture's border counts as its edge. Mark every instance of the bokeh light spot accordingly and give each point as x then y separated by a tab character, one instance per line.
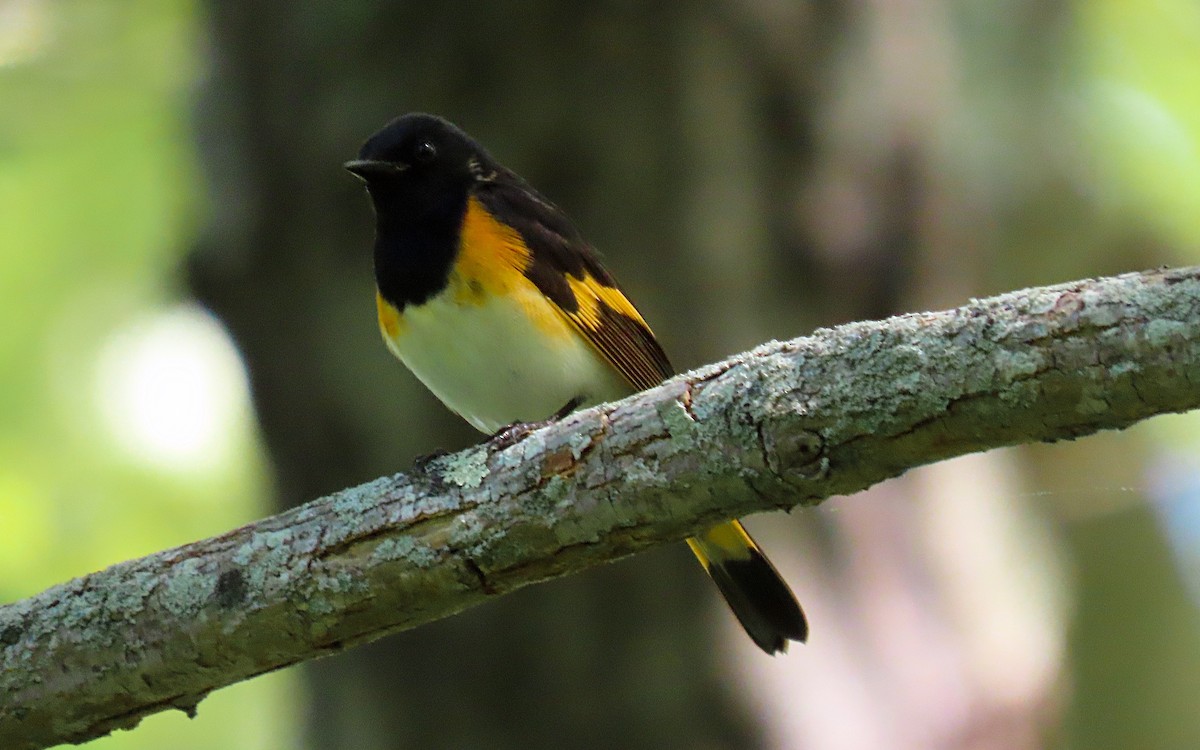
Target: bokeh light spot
173	389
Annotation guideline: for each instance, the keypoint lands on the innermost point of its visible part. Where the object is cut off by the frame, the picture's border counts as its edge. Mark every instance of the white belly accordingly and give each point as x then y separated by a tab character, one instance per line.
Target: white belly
493	365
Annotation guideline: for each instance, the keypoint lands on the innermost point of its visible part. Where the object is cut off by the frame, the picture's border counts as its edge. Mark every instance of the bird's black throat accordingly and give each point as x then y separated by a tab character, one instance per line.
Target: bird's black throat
415	248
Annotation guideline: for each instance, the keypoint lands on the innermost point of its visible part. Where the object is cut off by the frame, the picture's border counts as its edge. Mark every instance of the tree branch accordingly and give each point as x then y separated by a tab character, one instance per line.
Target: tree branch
785	424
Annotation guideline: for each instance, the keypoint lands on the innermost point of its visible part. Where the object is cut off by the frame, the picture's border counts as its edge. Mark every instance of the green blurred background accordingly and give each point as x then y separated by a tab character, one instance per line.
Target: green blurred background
176	234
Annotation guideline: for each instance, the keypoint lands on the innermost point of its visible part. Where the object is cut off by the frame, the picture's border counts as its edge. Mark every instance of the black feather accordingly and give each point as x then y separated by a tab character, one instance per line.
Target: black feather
762	602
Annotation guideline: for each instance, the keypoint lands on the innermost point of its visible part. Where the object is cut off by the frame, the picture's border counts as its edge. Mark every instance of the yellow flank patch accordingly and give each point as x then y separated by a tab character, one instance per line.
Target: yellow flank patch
589	293
492	258
391	320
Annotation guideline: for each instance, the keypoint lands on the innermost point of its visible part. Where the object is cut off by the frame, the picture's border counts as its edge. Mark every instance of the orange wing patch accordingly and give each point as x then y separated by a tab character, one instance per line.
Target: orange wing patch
492	257
590	294
610	323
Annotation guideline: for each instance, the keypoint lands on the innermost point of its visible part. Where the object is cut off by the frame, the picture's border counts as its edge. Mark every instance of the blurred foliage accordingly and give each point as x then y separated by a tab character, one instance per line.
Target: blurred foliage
98	197
1143	108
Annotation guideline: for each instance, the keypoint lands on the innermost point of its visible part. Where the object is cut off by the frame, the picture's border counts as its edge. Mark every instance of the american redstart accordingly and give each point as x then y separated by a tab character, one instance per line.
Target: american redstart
489	294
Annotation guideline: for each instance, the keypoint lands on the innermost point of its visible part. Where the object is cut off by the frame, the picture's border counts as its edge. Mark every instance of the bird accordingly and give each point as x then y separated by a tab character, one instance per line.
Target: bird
490	295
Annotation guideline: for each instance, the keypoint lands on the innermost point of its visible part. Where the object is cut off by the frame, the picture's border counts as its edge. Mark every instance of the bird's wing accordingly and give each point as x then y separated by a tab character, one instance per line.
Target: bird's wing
567	271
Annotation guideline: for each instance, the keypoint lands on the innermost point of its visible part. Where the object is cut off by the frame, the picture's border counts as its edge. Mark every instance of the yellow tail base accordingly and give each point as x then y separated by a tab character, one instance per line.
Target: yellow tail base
754	590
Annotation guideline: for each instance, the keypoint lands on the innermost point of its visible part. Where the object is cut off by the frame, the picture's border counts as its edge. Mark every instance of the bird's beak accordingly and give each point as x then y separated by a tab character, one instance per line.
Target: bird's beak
365	169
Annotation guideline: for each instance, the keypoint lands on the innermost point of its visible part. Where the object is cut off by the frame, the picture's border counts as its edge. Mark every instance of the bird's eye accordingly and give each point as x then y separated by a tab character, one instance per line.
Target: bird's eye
424	152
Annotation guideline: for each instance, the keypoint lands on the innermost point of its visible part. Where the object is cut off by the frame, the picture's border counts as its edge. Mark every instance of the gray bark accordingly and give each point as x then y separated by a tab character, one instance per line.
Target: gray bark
785	424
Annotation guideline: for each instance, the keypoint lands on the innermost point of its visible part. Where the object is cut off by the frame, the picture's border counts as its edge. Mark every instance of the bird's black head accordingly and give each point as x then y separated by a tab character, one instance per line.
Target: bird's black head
420	171
420	167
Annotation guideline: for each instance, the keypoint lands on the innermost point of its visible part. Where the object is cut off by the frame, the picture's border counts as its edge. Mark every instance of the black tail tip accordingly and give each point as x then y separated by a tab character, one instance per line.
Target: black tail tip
762	602
777	639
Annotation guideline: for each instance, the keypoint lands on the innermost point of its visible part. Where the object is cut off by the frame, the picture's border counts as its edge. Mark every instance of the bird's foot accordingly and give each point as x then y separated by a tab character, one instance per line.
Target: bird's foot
517	431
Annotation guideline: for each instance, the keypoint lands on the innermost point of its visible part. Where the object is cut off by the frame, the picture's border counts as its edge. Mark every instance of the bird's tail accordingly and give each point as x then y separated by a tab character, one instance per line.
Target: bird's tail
755	591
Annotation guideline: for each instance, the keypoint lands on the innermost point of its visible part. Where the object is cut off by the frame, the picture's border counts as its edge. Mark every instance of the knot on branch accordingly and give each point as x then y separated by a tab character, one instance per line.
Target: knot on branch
793	454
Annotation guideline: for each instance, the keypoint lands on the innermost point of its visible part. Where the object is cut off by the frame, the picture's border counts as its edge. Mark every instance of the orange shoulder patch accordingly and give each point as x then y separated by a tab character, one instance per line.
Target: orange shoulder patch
492	257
